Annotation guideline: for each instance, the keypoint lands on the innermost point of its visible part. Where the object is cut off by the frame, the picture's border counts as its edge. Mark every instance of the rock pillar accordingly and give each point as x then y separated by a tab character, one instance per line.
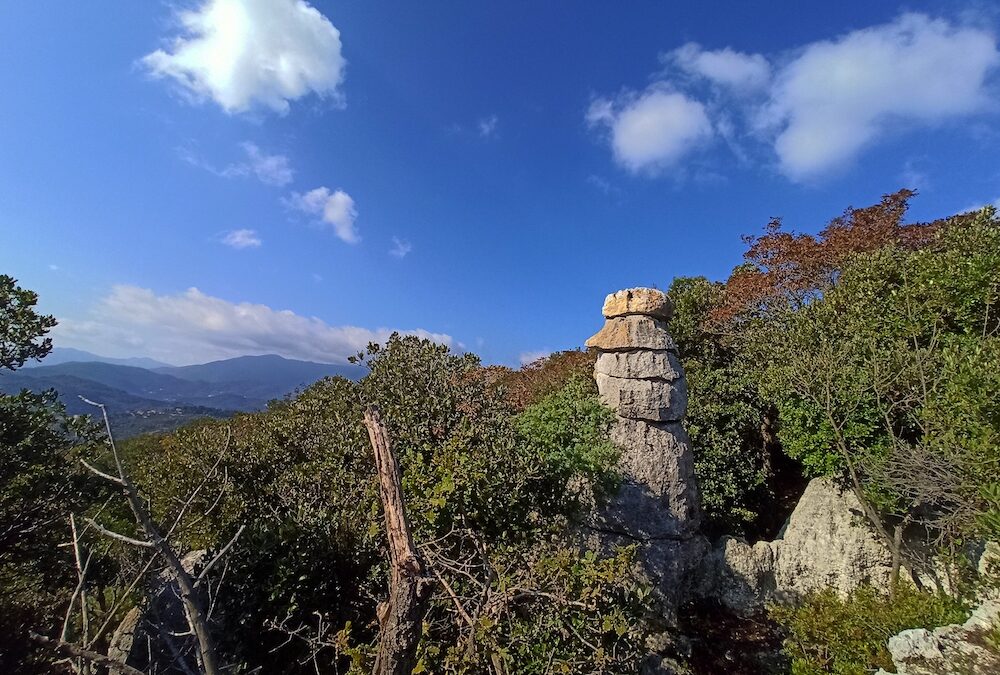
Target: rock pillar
639	376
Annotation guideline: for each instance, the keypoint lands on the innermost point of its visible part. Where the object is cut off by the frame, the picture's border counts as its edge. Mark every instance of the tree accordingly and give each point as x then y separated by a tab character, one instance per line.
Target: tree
882	379
491	495
39	484
728	420
22	329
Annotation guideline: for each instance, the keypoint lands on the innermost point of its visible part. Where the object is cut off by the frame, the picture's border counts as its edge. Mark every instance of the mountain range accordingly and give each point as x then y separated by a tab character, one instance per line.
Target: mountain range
143	395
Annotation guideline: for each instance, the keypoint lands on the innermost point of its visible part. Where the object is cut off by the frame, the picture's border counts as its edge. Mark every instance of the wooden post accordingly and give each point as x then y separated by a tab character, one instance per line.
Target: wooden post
402	615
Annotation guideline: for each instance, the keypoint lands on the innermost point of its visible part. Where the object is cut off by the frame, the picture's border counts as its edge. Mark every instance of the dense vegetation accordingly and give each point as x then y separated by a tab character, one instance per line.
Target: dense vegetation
869	352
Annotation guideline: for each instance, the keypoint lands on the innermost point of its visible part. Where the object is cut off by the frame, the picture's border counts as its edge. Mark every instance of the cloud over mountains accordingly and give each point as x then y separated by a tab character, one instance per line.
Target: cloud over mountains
193	327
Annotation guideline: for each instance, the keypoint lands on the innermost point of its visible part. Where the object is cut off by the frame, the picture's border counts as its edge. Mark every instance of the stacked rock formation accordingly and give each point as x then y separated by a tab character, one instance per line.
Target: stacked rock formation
639	376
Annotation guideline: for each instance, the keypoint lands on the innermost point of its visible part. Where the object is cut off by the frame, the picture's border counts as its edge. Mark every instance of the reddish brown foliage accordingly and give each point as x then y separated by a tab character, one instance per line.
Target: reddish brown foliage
782	265
537	380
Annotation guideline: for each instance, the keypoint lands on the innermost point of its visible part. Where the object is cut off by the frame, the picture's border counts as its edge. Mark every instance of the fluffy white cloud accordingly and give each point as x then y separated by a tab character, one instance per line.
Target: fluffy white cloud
243	53
242	239
816	107
192	327
651	130
840	95
336	209
725	67
400	248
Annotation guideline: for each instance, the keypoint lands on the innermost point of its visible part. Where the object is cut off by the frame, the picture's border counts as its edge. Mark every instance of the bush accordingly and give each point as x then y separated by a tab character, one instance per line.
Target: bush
848	636
491	493
726	417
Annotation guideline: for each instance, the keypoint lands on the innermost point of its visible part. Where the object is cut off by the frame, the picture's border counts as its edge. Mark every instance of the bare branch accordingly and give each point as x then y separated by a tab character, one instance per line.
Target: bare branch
101	474
80	652
120	537
219	555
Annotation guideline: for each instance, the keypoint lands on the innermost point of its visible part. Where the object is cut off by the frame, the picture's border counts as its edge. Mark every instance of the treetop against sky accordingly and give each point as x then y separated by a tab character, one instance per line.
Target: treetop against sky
208	178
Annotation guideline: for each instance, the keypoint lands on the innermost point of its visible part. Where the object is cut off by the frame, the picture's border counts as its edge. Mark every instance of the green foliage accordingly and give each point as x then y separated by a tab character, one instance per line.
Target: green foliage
40	485
551	610
828	634
490	495
568	432
726	416
22	329
884	376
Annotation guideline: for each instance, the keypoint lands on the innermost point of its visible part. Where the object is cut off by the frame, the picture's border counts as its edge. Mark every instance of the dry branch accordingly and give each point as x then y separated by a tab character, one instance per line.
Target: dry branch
409	587
81	653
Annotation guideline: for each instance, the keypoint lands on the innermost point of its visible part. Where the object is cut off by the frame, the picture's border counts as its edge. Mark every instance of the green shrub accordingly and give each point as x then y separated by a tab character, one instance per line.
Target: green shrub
726	416
848	636
491	492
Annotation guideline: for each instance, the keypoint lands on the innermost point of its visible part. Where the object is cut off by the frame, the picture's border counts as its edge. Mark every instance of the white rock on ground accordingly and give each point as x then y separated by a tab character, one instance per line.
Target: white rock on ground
956	649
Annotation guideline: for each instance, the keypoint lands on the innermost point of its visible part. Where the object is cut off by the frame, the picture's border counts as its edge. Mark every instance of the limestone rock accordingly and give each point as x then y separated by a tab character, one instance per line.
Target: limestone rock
653	400
740	575
646	301
828	542
658	497
640	365
915	643
627	333
956	649
669	566
126	635
166	609
656	507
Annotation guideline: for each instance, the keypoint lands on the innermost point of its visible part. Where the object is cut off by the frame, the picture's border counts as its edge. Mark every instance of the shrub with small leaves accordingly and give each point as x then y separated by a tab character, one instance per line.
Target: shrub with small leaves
847	636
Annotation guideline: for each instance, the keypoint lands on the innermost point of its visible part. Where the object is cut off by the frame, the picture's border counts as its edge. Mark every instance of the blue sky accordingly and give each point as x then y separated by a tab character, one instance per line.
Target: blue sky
196	180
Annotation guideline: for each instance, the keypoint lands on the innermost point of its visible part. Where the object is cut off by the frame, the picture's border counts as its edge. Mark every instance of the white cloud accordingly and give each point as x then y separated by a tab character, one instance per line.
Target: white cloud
651	130
245	53
726	67
194	327
336	209
268	169
979	206
242	239
817	107
488	126
400	248
838	96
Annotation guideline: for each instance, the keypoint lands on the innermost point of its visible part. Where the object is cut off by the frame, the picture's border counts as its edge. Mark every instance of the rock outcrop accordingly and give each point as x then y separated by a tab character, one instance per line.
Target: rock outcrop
826	543
956	649
133	644
639	376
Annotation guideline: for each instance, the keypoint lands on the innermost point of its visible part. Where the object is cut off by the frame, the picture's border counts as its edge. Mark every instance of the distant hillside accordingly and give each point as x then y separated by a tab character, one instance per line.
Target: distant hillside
66	354
71	388
136	381
141	400
267	377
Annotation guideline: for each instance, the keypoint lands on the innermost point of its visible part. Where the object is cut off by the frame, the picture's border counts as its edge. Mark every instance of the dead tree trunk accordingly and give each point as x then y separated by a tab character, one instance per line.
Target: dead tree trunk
189	586
402	614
